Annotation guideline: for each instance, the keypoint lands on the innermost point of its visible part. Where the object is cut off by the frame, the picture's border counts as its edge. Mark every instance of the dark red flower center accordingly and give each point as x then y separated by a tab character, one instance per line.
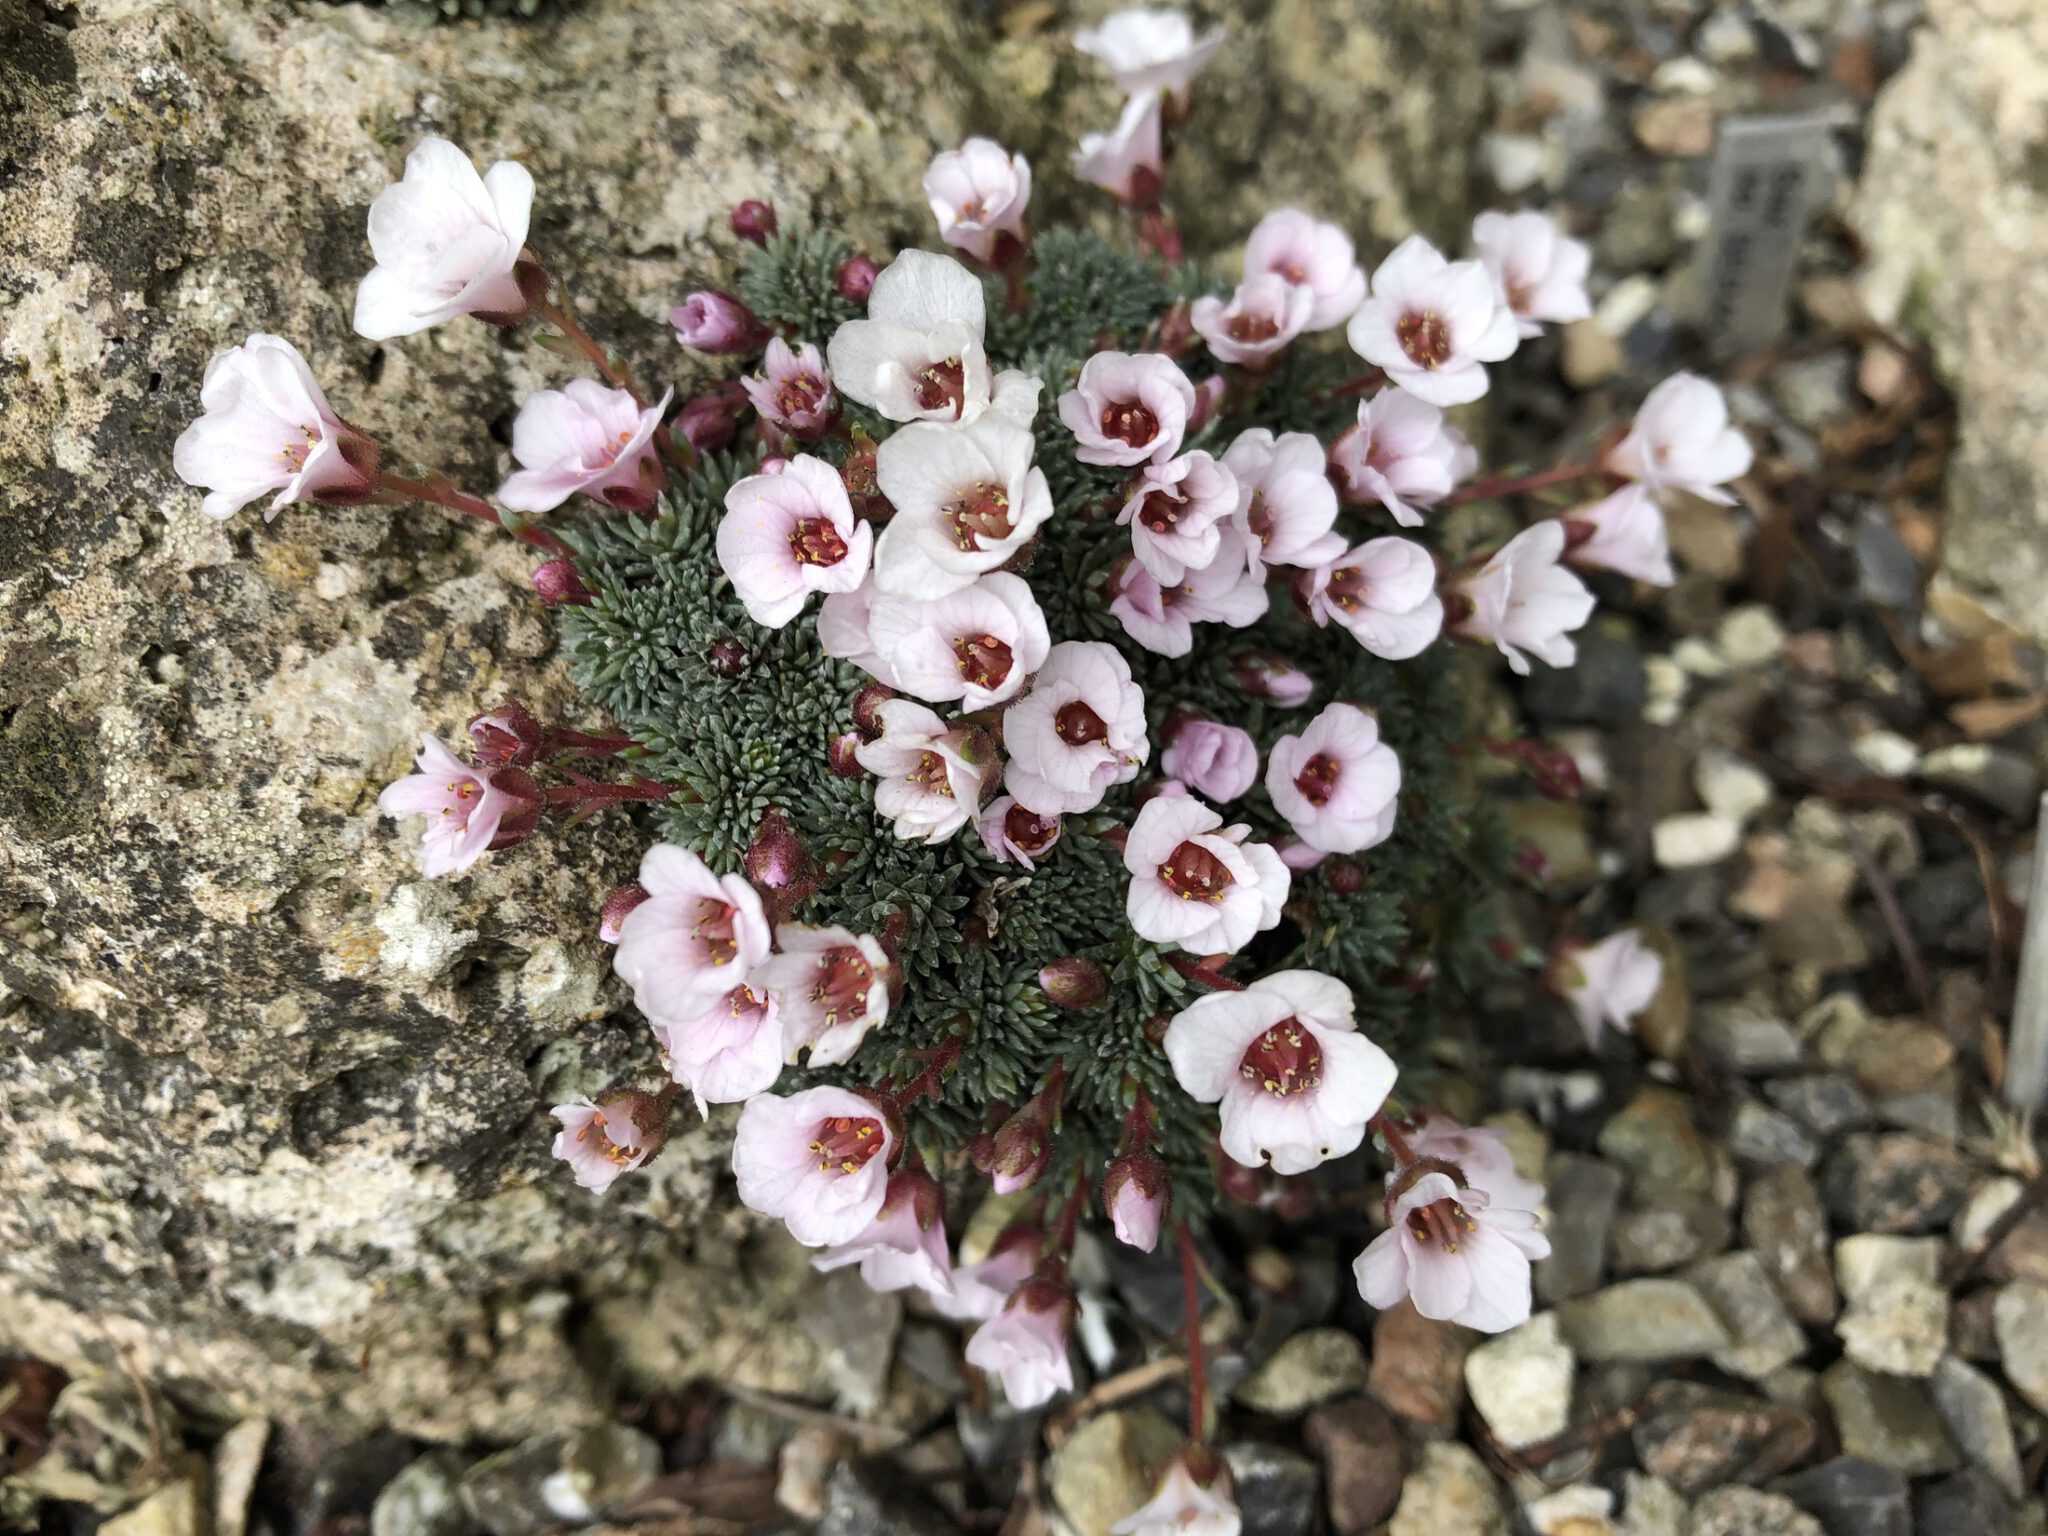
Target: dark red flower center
981	512
1425	338
713	929
1077	725
1160	511
1030	831
942	384
847	1143
1317	780
1193	873
1260	518
1285	1059
842	983
799	394
814	541
1129	421
984	660
1253	328
1443	1224
1347	589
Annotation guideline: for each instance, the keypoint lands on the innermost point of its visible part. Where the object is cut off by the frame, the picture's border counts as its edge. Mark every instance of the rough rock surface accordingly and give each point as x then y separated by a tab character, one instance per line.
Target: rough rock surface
273	1106
1954	207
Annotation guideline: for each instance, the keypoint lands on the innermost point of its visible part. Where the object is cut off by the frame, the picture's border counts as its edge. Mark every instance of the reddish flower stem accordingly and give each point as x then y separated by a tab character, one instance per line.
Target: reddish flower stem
1196	972
585	798
1519	485
938	1062
560	743
1364	384
1070	1215
441	493
615	373
1396	1142
1198	1376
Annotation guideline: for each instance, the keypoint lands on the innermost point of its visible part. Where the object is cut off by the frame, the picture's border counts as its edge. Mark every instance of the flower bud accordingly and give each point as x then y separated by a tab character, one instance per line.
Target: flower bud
710	421
863	489
754	220
506	735
1208	400
519	822
1075	983
1346	878
857	279
728	658
839	755
559	586
866	706
616	906
1135	1192
1269	675
780	865
717	323
1022	1150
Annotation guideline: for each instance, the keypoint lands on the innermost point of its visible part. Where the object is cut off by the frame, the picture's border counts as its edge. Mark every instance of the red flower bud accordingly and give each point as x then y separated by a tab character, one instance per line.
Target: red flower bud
1023	1149
1135	1192
1345	877
754	220
866	705
519	822
616	906
559	585
857	279
507	735
1269	675
711	420
839	755
728	658
1075	983
648	1113
779	864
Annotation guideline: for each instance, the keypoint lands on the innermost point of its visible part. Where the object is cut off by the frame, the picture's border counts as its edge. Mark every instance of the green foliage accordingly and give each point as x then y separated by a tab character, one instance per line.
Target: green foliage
1408	938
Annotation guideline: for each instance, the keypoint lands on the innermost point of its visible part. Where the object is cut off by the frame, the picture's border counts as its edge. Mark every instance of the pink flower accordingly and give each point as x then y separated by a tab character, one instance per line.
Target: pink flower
978	193
1524	600
918	356
785	536
1135	1191
1623	532
967	499
1196	883
831	987
1608	984
1286	508
1541	270
1128	408
468	811
448	242
695	937
1384	592
1400	455
585	437
1262	317
1681	440
727	1053
1016	834
1180	1506
904	1246
600	1142
716	324
1079	730
1433	324
1459	1257
1294	1081
979	1290
1128	162
1215	760
267	427
818	1160
1309	254
1162	618
932	776
1267	675
1173	513
1149	52
1026	1344
709	421
1336	783
1482	1159
843	620
977	645
795	389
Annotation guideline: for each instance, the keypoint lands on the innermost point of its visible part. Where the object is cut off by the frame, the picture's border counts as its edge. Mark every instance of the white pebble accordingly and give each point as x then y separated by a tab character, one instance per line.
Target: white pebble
1694	839
1885	753
1750	636
1729	786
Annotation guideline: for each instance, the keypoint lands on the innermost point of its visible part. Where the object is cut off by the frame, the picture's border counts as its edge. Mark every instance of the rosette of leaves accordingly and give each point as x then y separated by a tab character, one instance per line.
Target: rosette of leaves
1403	925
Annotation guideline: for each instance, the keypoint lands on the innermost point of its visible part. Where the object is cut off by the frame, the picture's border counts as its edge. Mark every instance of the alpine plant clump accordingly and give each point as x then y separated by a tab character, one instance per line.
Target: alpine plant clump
1040	671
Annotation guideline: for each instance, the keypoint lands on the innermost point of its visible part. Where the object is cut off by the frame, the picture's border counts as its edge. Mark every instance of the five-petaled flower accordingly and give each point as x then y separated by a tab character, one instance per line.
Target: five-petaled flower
1337	783
919	355
1149	51
1128	162
1025	1345
1401	455
1609	983
1383	592
977	645
967	498
268	428
1128	408
1257	322
693	939
1623	532
1196	883
1681	440
1523	600
449	242
794	391
831	986
818	1160
1306	253
933	777
1540	269
979	194
601	1141
589	438
1079	730
787	535
468	811
1433	324
1458	1254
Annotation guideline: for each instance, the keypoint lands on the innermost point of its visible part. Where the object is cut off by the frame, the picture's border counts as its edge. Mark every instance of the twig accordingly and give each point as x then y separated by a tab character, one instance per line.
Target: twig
1123	1386
873	1437
1894	919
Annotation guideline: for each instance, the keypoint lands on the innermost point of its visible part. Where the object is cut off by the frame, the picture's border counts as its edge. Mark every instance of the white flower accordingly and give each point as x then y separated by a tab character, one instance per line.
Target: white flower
789	534
967	500
1216	761
1147	50
1540	269
598	1145
1025	1345
1196	883
267	427
1458	1255
1336	783
1624	532
1384	592
1433	324
729	1052
919	355
1079	730
977	645
904	1247
1286	507
1294	1081
693	939
1016	834
819	1160
1162	618
585	437
831	987
1180	1506
1400	455
1610	983
1307	253
978	193
843	631
1523	600
1128	162
1173	512
931	783
1263	316
1128	408
1681	441
447	242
